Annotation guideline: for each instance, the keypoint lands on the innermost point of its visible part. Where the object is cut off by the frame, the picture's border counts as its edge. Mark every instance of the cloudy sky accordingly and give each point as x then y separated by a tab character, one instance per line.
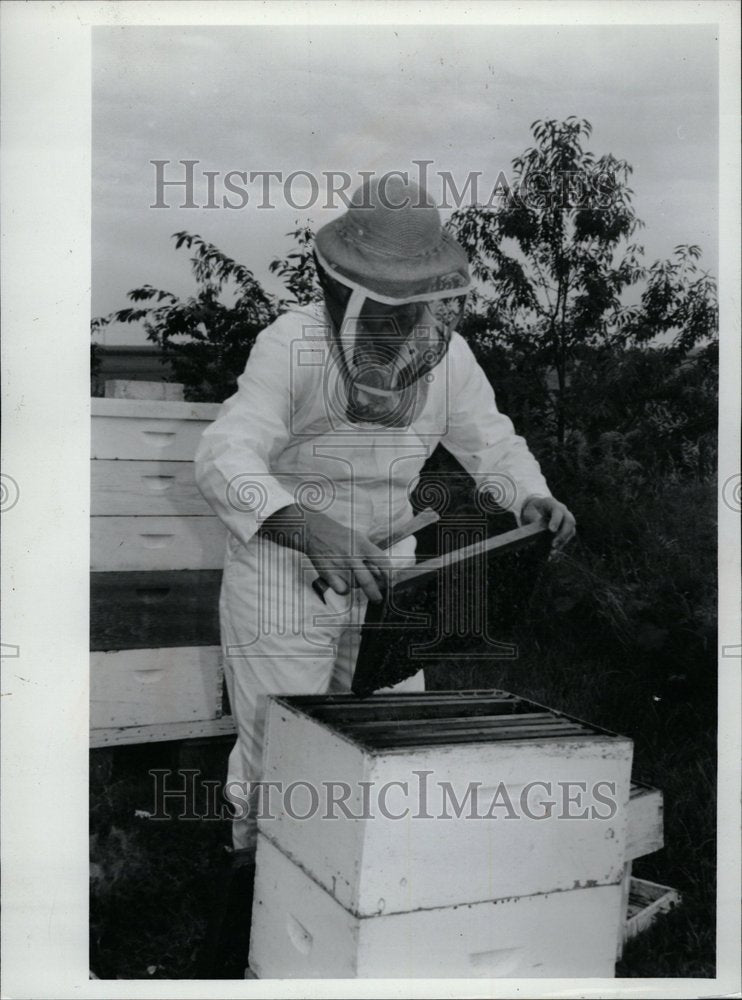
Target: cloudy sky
352	98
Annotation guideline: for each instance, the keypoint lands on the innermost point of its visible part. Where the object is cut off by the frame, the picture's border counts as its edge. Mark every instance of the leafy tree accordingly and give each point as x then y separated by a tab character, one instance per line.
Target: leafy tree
679	298
608	365
206	337
298	270
555	259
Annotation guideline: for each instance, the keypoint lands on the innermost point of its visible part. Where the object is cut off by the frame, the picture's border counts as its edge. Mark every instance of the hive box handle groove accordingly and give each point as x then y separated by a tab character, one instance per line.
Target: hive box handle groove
298	935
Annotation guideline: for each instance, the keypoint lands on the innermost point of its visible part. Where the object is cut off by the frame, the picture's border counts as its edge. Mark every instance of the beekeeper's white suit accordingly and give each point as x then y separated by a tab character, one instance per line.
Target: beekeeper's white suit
288	436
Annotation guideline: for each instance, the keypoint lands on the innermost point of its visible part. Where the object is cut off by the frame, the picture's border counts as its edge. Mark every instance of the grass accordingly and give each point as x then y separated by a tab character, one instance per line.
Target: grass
152	881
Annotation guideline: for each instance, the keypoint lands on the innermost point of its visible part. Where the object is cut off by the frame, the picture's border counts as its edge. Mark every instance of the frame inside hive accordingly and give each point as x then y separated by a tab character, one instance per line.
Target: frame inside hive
467	603
386	722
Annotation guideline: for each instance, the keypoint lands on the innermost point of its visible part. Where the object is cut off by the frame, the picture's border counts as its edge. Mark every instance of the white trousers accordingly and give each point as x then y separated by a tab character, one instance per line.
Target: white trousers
278	638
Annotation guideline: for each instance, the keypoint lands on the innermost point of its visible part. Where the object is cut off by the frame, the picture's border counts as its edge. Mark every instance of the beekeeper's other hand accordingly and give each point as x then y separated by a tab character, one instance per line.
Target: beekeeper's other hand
554	515
344	558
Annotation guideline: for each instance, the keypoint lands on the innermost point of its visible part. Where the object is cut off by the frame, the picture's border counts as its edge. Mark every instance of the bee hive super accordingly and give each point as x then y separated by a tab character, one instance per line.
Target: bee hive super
479	835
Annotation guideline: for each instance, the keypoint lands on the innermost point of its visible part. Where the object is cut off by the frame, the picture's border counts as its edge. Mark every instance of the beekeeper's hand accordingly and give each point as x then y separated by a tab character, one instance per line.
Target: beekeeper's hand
554	514
344	558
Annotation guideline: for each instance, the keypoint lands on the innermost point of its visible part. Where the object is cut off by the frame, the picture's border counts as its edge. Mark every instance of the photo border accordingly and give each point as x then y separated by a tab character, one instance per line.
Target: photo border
46	267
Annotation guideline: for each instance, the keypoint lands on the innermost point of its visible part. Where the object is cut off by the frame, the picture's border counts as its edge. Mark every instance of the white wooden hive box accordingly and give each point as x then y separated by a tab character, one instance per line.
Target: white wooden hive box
300	931
152	536
377	864
140	687
142	429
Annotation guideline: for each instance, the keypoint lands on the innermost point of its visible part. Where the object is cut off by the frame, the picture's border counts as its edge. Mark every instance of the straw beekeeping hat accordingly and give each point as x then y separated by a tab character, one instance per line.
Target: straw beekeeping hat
390	242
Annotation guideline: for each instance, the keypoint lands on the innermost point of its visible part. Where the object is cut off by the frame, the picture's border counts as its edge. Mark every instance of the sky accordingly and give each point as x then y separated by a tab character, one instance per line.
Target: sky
375	98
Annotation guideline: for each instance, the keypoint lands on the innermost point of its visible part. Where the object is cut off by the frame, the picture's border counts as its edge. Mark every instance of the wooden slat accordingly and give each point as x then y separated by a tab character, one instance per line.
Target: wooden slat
330	703
506	542
156	543
478	735
153	409
137	488
508	720
139	389
154	686
645	821
625	891
159	609
441	727
350	701
126	735
338	718
578	736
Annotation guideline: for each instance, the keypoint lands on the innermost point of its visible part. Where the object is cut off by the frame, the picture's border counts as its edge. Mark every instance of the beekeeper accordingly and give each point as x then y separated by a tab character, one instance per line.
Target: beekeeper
314	458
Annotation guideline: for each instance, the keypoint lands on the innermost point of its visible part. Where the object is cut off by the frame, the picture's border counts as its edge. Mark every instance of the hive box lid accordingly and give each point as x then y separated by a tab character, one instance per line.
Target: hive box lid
405	801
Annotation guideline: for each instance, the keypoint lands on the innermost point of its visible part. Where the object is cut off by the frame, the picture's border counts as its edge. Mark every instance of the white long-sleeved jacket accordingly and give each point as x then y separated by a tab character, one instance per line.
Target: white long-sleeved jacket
283	436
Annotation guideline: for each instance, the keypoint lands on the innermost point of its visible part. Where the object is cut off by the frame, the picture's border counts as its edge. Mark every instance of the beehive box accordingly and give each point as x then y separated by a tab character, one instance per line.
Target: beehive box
446	742
496	886
300	931
148	687
646	901
155	557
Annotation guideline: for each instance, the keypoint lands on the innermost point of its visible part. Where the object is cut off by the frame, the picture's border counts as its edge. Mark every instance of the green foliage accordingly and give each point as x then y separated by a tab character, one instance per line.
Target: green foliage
679	298
556	264
208	337
298	270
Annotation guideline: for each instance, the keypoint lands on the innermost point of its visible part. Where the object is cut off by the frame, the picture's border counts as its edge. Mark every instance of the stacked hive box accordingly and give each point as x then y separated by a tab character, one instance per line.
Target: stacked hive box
643	901
509	895
156	558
